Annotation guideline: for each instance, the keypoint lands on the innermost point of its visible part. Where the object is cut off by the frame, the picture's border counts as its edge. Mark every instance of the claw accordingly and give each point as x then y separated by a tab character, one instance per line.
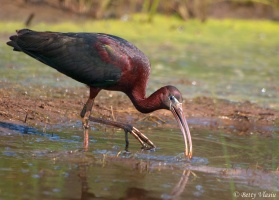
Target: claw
145	147
145	142
85	123
144	138
137	137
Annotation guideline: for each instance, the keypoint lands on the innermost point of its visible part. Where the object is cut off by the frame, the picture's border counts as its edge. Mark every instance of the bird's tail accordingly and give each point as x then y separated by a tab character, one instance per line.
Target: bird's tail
14	39
27	40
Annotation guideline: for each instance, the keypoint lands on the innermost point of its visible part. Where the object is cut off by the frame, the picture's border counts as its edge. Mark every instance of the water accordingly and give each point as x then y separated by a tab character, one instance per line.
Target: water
52	165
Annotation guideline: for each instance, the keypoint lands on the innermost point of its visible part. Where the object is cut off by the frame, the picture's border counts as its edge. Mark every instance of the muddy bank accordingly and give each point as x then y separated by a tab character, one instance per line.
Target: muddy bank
62	106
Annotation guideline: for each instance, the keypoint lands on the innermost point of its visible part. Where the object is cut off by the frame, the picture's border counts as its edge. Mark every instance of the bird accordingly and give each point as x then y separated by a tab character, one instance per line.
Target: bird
104	62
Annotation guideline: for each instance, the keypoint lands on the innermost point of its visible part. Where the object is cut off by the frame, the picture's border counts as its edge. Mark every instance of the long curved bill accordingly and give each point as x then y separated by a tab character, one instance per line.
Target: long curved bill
177	111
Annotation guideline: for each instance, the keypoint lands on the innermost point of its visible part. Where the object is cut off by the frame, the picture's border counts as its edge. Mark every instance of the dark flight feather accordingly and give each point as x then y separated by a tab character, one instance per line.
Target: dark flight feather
94	59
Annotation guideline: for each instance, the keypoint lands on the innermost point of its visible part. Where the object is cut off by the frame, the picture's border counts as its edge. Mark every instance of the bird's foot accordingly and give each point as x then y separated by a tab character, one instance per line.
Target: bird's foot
148	148
123	153
85	127
145	142
145	147
85	123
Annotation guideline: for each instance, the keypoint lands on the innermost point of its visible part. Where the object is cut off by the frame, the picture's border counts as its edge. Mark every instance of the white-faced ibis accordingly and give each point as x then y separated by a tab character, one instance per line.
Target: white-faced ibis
108	62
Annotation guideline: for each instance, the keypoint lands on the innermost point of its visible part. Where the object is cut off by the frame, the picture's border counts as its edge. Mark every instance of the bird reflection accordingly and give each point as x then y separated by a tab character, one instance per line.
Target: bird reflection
85	194
133	193
180	186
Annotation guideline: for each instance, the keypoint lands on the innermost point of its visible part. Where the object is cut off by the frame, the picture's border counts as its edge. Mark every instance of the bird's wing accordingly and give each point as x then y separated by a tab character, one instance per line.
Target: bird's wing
93	59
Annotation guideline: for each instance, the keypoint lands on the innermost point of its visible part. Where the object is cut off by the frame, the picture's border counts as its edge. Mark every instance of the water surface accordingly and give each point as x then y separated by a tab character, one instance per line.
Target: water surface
53	165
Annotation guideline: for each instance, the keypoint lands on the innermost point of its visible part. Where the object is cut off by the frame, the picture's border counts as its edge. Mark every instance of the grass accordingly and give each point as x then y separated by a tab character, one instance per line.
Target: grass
230	58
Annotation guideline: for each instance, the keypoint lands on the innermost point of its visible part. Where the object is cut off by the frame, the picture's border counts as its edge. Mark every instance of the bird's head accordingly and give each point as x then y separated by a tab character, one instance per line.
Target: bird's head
172	100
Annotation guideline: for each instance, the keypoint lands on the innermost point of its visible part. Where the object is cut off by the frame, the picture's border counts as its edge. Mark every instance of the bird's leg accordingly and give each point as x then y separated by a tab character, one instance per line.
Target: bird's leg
127	128
143	138
126	141
85	113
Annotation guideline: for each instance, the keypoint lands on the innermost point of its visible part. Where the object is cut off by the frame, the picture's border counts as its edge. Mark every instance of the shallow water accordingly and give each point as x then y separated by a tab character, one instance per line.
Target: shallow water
51	165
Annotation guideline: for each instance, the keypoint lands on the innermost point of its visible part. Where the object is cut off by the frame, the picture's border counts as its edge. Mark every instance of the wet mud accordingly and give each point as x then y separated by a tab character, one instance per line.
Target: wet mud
62	107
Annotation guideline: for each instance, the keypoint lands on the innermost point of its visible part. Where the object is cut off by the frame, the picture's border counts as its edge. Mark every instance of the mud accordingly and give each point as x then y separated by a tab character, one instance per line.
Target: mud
62	107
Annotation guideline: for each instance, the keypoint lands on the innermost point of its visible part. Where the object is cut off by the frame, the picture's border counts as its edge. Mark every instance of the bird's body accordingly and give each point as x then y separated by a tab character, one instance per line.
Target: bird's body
100	61
95	59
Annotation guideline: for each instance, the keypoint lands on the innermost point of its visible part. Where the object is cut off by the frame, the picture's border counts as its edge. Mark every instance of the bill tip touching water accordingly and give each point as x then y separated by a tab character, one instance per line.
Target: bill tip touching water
104	62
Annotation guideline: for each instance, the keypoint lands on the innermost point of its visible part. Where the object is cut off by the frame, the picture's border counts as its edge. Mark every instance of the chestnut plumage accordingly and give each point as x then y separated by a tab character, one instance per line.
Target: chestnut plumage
108	62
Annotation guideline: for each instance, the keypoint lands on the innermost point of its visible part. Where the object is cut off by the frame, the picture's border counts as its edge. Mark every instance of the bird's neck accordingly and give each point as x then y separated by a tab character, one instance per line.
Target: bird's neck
147	104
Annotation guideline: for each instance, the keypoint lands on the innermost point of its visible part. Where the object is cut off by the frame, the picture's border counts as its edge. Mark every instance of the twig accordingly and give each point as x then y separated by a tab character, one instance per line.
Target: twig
112	114
152	118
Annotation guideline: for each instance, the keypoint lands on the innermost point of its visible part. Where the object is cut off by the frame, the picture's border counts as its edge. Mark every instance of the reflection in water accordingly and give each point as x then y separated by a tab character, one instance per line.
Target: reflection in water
132	192
179	188
85	194
60	169
137	194
196	187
